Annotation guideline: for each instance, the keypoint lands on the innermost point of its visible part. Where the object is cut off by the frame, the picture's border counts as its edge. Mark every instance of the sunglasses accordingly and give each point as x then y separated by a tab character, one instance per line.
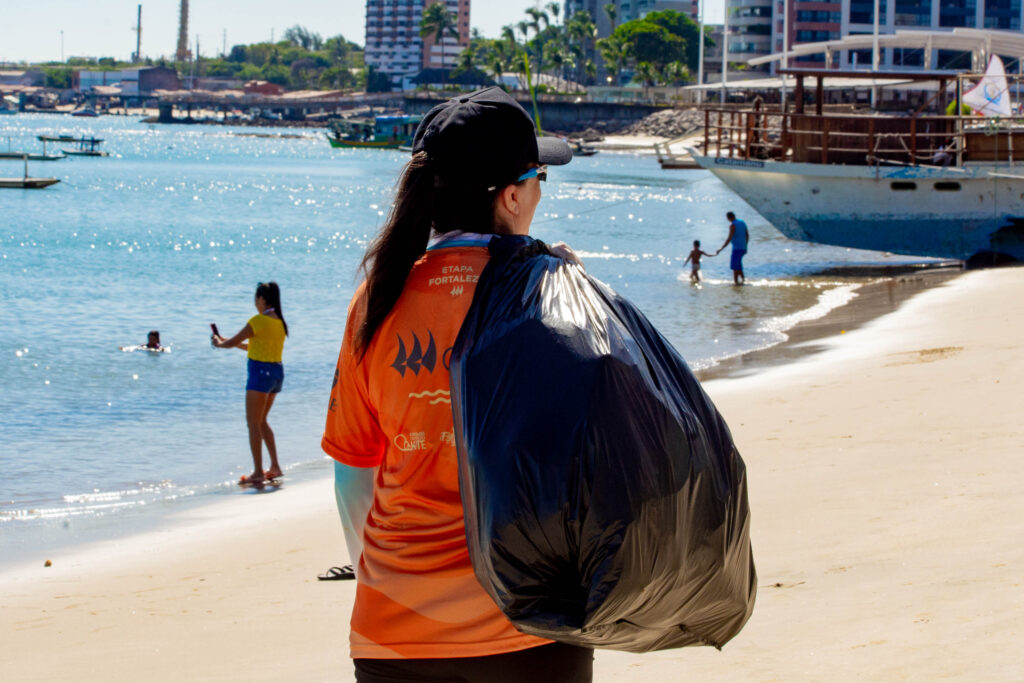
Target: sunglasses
540	172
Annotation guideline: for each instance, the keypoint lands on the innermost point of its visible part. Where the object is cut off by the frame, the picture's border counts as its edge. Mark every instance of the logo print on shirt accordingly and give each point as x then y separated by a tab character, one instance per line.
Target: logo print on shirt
417	358
456	290
416	441
439	396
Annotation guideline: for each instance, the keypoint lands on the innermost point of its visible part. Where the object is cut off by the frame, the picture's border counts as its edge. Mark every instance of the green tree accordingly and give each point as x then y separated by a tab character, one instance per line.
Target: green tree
376	81
249	72
681	26
276	73
336	78
648	42
646	74
675	73
612	11
438	22
553	9
580	31
338	50
613	52
302	37
57	78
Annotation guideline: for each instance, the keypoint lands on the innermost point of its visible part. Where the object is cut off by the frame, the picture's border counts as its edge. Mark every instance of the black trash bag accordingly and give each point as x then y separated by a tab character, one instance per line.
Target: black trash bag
605	503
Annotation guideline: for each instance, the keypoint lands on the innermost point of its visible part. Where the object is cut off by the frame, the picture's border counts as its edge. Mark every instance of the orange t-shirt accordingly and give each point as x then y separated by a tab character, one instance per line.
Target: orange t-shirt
417	596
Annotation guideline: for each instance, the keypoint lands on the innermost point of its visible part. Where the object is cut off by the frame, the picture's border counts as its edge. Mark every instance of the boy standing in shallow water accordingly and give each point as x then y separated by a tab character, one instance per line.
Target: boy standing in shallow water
694	258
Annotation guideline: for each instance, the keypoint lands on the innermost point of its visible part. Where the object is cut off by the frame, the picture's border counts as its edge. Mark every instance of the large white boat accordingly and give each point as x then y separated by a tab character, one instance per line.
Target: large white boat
948	186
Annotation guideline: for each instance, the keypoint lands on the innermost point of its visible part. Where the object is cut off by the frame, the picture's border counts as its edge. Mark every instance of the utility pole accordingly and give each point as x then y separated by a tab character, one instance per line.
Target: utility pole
725	54
62	46
224	45
700	58
138	37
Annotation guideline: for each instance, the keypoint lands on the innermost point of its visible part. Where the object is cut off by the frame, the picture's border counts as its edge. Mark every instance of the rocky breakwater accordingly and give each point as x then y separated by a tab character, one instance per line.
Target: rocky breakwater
668	123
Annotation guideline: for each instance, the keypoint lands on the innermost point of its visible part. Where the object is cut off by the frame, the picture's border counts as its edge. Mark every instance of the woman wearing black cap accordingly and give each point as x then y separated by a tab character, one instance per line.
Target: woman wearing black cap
419	612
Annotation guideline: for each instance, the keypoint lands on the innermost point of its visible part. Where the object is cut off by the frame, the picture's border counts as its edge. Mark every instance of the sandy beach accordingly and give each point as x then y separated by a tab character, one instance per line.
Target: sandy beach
887	523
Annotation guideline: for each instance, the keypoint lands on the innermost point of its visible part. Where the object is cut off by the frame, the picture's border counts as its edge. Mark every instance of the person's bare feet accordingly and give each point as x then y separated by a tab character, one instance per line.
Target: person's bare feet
254	480
273	473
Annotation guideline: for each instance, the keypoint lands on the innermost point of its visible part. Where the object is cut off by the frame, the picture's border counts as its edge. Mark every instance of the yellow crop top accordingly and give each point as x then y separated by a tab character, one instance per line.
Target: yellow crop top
267	341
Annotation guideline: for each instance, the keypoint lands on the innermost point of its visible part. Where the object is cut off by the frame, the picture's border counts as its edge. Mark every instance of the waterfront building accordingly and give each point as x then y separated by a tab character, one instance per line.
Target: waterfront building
137	81
813	22
393	43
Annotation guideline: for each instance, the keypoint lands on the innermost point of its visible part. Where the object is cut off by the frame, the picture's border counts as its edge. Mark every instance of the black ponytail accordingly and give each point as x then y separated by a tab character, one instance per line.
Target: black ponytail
423	202
271	293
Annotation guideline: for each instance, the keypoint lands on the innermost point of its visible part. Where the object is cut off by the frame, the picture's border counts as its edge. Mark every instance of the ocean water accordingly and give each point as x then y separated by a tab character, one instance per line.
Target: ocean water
175	229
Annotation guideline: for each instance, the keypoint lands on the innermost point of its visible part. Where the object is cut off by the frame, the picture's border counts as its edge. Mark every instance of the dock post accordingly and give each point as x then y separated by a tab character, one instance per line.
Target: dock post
166	112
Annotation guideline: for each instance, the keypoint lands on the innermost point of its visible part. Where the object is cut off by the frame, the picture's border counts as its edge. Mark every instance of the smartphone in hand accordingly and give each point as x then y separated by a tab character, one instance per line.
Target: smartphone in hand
213	328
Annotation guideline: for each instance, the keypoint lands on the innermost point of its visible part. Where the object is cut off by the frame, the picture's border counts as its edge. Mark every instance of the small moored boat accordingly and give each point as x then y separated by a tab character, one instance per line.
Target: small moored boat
87	147
381	132
26	182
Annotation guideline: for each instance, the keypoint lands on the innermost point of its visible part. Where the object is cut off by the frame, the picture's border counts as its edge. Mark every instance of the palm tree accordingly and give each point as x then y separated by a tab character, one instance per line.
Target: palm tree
613	13
560	56
613	52
581	30
538	17
440	23
675	72
553	9
499	58
465	62
647	74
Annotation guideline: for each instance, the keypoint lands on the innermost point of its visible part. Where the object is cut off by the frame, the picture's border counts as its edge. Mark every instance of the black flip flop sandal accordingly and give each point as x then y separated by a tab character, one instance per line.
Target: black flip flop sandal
338	574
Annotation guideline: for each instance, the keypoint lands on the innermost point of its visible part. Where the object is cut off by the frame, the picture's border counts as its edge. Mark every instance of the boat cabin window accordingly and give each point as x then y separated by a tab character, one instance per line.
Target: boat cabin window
947	186
902	185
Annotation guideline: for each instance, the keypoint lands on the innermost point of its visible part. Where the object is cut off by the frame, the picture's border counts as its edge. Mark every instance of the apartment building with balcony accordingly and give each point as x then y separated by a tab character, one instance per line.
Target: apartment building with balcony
393	43
750	30
811	22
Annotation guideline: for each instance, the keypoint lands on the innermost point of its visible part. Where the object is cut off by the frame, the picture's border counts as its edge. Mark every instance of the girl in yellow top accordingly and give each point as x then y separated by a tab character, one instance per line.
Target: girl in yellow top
263	339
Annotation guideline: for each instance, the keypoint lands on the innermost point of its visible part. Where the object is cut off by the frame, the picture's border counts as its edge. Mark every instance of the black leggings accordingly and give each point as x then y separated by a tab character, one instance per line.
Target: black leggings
553	663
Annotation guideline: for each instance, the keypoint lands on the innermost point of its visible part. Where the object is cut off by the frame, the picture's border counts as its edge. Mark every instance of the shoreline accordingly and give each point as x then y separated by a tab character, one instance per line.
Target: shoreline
871	301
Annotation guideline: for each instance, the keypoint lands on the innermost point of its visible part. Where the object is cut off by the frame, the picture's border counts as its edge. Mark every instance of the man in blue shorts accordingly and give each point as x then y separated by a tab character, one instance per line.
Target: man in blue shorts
739	235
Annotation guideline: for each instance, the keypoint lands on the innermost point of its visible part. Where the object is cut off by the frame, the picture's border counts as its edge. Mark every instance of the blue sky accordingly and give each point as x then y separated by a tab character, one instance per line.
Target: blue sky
30	30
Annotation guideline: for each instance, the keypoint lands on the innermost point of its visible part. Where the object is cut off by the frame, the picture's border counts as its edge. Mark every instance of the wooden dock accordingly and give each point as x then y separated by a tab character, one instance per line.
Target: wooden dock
669	159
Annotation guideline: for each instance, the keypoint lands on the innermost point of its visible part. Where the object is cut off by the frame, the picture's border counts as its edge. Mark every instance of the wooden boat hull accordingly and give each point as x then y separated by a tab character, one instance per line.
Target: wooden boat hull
952	212
87	153
27	183
32	157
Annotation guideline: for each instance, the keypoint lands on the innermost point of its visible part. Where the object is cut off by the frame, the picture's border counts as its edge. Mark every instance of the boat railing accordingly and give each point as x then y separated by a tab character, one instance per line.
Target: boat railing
861	139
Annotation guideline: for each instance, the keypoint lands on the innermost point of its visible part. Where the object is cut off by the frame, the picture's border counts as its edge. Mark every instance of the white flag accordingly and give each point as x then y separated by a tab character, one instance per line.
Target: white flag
991	96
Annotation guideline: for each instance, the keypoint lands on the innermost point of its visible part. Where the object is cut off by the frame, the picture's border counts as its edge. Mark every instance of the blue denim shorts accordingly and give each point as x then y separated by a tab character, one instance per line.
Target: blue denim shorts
266	378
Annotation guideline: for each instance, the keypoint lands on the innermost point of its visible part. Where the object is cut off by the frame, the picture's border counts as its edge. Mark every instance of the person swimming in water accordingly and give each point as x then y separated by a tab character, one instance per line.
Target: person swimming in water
152	344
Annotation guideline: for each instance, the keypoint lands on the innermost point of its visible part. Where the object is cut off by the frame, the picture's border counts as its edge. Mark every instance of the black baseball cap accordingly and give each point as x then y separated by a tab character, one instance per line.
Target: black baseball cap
484	139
